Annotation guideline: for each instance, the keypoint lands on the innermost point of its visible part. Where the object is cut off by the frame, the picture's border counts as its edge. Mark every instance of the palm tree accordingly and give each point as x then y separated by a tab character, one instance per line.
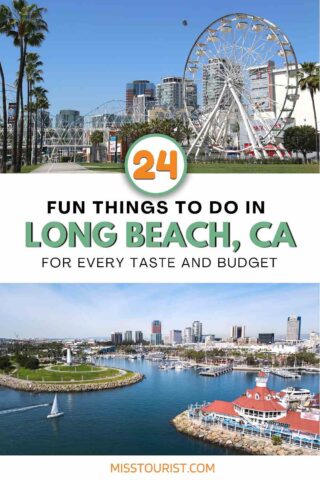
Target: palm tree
26	27
40	100
96	138
33	75
309	79
5	16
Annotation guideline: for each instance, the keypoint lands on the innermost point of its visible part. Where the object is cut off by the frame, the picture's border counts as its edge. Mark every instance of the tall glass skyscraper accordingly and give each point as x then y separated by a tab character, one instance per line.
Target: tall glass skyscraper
156	335
293	328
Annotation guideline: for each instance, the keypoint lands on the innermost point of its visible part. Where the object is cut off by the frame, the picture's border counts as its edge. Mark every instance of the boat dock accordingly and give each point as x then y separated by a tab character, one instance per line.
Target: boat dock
285	373
215	371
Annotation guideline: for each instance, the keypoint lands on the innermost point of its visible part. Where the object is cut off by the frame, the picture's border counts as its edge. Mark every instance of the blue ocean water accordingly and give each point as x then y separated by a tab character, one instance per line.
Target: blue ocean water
127	421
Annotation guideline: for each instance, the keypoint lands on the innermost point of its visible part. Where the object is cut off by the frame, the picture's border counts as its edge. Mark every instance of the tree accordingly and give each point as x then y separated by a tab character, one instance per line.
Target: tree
96	138
32	363
5	15
26	26
309	79
33	75
5	364
40	102
300	139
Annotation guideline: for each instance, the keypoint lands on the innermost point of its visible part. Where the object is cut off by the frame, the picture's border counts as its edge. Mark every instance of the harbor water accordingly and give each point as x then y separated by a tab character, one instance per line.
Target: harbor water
133	420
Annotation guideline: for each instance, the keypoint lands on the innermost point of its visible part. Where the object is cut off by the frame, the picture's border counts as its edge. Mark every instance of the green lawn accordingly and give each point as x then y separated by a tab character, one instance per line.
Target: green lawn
251	168
219	168
29	168
42	374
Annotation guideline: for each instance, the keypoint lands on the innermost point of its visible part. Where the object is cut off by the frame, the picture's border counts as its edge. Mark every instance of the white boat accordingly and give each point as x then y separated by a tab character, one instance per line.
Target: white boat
179	366
55	412
293	394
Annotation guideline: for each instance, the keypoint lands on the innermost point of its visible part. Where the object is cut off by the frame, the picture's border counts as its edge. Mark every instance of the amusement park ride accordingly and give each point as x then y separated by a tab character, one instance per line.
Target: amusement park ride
234	63
244	105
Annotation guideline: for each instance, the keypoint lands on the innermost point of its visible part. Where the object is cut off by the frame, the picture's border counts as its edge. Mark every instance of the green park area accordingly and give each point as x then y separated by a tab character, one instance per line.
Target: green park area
74	374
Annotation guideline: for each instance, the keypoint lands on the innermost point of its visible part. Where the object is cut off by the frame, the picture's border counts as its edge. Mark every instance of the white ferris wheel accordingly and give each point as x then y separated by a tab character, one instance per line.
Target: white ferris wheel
245	71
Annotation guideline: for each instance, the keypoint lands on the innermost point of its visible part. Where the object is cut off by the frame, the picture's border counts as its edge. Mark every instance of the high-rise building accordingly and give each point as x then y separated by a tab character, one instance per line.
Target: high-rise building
169	93
293	328
237	332
191	94
67	118
135	88
267	338
141	106
175	337
128	336
138	336
156	335
116	338
188	336
197	331
213	81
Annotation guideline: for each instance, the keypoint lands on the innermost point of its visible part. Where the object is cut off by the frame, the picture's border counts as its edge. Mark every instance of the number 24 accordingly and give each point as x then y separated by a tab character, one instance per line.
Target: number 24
144	171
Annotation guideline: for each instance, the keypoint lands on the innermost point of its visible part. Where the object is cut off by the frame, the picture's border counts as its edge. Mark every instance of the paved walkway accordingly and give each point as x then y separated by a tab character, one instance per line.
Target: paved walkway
62	168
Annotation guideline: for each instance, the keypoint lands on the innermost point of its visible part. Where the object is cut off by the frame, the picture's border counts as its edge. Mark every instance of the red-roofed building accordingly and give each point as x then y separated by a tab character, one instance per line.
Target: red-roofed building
262	407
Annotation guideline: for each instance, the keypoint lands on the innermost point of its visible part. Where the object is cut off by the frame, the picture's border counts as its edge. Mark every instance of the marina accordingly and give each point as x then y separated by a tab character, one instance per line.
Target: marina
133	415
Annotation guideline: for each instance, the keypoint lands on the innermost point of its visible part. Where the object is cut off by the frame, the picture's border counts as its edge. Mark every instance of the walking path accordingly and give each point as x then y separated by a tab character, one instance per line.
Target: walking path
62	168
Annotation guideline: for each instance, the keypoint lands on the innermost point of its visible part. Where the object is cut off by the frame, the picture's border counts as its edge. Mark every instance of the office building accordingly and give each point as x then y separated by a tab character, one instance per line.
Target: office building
67	118
237	332
266	338
116	338
141	106
156	335
213	79
175	337
188	336
138	336
135	88
293	328
197	331
128	336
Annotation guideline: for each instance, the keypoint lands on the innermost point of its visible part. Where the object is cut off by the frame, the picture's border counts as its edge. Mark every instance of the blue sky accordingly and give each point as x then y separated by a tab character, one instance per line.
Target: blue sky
95	310
95	47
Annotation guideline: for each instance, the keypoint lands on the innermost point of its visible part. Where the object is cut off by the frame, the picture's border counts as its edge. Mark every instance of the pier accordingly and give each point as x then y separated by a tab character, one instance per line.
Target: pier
216	371
285	373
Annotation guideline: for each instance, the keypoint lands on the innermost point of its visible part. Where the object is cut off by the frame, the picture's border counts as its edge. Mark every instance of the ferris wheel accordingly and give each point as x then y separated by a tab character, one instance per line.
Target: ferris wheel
244	70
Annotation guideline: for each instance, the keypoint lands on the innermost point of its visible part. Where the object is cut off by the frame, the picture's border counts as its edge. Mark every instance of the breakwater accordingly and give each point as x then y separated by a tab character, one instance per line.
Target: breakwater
37	387
217	435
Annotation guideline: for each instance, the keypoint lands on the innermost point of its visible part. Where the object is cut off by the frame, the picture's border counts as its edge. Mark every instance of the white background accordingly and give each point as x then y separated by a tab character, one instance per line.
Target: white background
290	198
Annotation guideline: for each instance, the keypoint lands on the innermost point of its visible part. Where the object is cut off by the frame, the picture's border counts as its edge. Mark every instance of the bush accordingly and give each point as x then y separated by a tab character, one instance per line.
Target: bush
276	440
5	363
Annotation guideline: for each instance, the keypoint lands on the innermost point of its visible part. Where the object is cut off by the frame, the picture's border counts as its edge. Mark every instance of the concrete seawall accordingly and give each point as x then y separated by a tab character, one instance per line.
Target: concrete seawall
32	386
225	438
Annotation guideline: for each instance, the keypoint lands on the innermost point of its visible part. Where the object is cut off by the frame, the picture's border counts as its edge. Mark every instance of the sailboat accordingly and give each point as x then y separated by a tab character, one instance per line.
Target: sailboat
55	409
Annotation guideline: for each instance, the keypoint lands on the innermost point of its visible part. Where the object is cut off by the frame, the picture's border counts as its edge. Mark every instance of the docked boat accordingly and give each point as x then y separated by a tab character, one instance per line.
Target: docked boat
55	411
294	394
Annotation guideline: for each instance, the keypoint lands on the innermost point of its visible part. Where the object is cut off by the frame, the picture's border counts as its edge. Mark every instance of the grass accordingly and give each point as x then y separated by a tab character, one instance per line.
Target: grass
219	168
29	168
65	376
251	168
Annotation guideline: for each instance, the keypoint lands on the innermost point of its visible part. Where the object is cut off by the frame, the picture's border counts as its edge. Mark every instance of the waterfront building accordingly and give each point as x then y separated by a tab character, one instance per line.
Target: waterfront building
156	335
135	88
261	408
67	118
175	337
197	331
188	336
138	336
128	336
237	332
116	338
169	93
267	338
213	75
293	328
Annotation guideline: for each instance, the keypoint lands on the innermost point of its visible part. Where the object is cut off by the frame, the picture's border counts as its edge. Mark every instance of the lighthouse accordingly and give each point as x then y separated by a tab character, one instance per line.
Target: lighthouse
261	380
69	358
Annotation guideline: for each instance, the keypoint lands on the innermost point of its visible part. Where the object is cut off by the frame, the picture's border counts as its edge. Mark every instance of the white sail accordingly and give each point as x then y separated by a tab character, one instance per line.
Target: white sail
55	406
